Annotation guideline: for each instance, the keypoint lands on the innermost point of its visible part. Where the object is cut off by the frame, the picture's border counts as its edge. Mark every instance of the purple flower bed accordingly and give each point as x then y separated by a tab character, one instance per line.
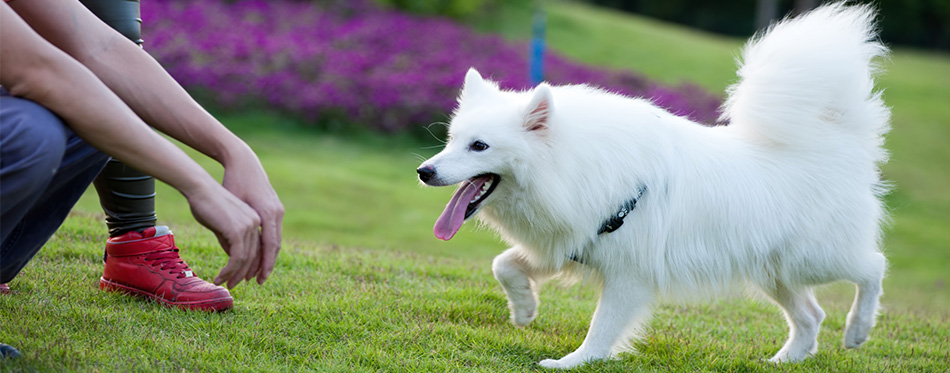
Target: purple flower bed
356	63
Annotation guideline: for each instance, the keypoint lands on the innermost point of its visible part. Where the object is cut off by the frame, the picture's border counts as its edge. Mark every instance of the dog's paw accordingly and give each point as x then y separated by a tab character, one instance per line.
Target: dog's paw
572	360
787	357
854	341
554	364
522	317
523	307
856	334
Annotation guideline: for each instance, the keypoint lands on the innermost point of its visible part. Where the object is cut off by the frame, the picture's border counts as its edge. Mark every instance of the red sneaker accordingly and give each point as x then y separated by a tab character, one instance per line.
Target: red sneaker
147	264
5	289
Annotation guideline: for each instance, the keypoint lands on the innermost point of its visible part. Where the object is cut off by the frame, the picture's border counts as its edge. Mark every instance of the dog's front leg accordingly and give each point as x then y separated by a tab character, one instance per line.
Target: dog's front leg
620	311
521	282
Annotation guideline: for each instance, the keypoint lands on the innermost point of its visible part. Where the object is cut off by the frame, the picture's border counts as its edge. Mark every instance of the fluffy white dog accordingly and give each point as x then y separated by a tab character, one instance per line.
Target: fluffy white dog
784	198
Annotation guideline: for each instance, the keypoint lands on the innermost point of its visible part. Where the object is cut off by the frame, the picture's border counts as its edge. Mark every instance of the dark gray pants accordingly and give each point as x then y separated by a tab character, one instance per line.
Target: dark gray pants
44	169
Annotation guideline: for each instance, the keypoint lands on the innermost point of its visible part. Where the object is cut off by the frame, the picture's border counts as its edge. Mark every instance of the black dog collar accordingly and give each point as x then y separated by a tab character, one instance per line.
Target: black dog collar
616	220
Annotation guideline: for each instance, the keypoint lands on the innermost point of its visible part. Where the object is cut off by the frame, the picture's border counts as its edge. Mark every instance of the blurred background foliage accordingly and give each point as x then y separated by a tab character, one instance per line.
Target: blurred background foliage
396	65
456	9
922	23
356	64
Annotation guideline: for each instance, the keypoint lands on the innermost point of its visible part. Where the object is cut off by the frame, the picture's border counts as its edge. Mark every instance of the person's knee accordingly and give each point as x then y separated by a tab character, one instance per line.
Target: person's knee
33	140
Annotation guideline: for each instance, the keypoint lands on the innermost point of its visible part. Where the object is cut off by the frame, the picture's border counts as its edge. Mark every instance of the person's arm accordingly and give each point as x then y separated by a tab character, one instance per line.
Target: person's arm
158	99
151	92
34	69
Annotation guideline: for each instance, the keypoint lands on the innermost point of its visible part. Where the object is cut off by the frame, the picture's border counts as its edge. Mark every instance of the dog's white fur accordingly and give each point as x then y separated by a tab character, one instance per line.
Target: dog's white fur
784	198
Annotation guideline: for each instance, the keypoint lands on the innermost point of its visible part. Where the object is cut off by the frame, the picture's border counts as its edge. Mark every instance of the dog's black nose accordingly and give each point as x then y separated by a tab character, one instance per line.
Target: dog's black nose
426	173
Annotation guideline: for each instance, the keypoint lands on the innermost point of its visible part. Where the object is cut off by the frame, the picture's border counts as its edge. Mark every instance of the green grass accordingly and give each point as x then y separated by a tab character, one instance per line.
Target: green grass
342	309
362	285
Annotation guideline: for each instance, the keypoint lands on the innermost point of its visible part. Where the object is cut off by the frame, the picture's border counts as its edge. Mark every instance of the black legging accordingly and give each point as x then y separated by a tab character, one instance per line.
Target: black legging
127	195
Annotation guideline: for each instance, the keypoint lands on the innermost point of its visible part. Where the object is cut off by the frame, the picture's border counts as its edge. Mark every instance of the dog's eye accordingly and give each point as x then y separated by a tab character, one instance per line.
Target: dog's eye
478	146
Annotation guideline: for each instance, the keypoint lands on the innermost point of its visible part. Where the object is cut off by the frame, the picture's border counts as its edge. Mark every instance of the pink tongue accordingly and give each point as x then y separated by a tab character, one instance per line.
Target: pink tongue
452	218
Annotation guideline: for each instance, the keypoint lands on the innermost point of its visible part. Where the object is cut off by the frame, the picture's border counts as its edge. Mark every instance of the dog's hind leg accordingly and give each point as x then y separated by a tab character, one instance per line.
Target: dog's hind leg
622	309
804	317
521	282
863	312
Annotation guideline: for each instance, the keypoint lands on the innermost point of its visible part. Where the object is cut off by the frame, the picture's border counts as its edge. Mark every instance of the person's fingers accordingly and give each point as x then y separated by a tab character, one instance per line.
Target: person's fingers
243	247
237	251
270	243
251	242
227	272
239	263
255	262
235	262
228	244
255	268
224	274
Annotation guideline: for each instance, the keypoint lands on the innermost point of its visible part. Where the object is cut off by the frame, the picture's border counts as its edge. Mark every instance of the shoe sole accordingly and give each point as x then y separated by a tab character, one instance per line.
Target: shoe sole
215	305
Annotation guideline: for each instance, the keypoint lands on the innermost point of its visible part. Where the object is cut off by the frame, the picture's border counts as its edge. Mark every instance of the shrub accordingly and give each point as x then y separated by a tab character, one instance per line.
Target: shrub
352	62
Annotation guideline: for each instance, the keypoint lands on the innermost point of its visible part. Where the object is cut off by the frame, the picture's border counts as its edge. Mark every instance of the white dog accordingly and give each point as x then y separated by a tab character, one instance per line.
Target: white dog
784	198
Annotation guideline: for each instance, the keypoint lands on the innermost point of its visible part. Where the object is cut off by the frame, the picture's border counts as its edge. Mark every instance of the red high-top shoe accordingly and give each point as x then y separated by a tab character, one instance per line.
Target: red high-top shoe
147	264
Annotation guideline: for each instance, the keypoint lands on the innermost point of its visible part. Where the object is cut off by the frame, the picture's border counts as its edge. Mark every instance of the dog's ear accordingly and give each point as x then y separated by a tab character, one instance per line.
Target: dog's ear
475	85
539	109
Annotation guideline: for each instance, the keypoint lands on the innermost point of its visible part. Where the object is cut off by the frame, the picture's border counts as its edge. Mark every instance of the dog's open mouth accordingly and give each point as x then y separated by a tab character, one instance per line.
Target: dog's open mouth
464	203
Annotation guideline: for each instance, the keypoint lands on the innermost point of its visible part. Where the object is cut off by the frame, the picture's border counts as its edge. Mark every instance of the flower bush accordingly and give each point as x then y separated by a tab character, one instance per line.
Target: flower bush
353	62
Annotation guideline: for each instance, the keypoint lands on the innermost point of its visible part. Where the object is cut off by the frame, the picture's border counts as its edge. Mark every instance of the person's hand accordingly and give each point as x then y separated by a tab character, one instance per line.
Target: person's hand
245	178
234	223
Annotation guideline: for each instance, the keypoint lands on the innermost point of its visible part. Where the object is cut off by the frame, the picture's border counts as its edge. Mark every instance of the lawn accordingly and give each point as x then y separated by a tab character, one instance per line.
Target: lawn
362	285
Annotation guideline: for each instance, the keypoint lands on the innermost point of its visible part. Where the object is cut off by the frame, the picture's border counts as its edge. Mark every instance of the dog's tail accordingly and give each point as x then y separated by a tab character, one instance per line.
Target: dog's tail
808	79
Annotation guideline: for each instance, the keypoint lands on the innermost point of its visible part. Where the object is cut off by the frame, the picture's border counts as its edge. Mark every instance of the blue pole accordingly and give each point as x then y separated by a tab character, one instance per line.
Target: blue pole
536	75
